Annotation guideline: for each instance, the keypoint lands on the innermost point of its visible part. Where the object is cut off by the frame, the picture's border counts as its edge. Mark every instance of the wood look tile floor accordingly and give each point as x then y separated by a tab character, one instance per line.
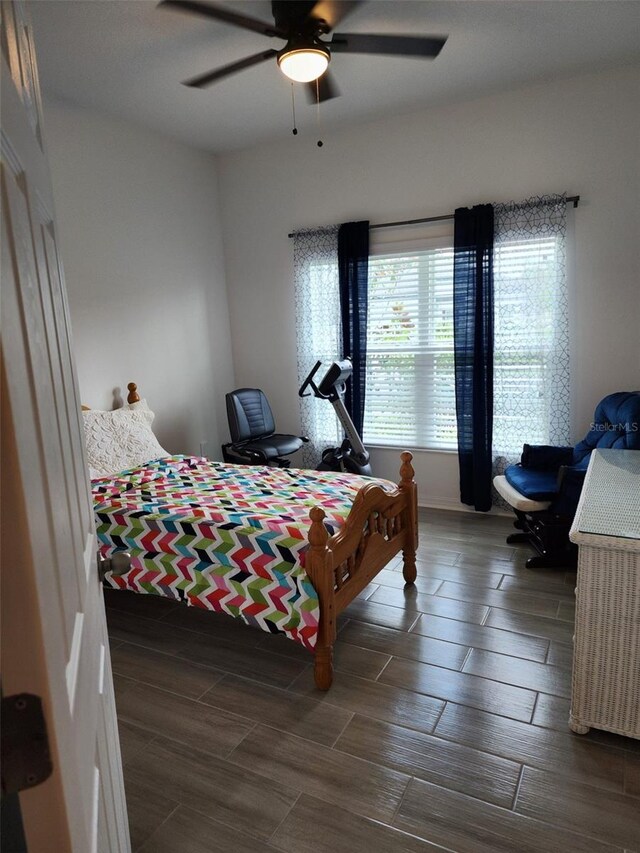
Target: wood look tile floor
445	727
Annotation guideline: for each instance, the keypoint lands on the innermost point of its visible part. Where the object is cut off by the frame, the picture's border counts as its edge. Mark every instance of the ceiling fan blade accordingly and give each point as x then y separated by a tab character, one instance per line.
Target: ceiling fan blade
219	13
203	80
332	12
327	88
426	46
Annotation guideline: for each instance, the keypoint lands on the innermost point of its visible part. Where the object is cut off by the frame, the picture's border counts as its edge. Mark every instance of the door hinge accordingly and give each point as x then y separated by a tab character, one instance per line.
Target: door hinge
26	761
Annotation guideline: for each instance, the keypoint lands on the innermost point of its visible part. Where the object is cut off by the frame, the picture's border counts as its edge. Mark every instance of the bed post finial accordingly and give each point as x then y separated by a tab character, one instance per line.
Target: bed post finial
410	490
319	567
406	469
133	396
318	533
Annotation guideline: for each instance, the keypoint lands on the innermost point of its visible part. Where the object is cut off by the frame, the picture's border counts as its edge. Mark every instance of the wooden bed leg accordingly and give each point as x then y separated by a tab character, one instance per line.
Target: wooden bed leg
319	567
409	571
323	667
408	486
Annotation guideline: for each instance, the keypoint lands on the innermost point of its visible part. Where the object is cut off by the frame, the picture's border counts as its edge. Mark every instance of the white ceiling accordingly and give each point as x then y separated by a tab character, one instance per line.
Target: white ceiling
127	58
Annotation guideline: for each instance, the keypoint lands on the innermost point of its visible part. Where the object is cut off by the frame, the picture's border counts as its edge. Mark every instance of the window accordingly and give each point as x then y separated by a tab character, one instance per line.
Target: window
410	399
410	396
318	333
526	343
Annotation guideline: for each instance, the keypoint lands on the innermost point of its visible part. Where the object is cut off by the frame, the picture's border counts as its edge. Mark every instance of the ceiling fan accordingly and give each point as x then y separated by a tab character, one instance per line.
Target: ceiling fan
305	57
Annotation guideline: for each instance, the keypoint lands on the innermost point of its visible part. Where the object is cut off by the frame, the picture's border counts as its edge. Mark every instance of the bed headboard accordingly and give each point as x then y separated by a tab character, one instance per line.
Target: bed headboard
132	396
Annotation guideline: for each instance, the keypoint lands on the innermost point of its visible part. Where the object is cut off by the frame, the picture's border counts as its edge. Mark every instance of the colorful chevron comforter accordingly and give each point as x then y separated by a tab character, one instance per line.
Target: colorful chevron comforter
223	537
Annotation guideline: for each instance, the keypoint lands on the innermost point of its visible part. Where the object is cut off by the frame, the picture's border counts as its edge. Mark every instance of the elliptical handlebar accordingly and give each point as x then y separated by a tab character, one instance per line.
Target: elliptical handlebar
309	383
332	386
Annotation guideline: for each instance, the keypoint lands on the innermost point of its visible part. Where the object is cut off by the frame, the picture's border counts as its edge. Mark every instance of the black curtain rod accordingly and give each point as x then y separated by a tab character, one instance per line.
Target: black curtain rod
573	199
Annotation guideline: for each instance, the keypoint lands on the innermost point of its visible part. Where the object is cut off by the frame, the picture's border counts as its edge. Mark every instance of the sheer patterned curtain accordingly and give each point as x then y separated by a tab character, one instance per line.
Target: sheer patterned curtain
531	334
318	330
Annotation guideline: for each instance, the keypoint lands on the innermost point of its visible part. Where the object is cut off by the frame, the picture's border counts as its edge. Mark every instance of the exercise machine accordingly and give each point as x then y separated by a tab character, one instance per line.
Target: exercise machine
351	455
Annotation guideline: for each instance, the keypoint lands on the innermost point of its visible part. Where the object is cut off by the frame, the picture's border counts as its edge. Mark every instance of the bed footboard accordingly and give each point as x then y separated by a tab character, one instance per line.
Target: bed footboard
379	526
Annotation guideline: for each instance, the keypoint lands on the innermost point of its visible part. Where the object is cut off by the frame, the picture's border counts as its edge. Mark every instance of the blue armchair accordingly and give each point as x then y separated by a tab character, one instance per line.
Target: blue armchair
544	487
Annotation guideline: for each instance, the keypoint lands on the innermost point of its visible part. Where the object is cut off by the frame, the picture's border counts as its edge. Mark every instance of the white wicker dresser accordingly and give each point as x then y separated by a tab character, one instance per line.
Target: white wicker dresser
605	690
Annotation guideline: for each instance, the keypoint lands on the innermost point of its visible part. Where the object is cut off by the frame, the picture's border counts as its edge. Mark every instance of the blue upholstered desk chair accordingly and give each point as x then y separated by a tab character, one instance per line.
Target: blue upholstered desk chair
544	487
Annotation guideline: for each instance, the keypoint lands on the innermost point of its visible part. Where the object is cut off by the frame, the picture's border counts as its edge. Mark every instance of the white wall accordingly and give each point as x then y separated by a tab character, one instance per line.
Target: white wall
139	226
581	135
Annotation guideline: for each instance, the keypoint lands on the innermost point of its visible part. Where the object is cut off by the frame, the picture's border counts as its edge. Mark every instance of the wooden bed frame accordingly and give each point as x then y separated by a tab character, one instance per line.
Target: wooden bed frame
380	525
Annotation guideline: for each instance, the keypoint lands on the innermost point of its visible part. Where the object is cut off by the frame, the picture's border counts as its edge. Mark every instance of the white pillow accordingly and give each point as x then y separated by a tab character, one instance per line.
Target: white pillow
119	440
141	406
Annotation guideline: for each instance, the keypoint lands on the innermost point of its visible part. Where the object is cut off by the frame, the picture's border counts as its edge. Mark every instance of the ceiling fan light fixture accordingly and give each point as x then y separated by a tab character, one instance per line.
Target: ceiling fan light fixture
303	64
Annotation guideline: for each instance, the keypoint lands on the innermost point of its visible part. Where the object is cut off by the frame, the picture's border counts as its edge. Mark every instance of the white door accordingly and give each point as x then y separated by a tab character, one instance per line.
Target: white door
54	641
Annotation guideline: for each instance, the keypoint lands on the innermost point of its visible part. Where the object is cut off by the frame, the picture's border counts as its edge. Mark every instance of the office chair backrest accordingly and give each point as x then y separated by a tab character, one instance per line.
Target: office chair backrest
249	414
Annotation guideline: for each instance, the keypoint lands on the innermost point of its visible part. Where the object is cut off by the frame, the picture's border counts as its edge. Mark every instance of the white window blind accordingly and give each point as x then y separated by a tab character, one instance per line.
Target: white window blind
410	396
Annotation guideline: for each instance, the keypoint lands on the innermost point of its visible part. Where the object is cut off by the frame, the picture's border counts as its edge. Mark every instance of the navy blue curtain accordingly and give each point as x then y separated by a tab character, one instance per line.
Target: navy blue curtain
473	348
353	270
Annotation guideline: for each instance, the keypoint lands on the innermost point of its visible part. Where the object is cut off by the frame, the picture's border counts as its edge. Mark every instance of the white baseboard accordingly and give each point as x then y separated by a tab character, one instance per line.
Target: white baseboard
456	506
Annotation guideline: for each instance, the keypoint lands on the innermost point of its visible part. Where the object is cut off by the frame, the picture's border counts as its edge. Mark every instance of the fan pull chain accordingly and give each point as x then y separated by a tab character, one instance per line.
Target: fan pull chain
293	110
320	143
